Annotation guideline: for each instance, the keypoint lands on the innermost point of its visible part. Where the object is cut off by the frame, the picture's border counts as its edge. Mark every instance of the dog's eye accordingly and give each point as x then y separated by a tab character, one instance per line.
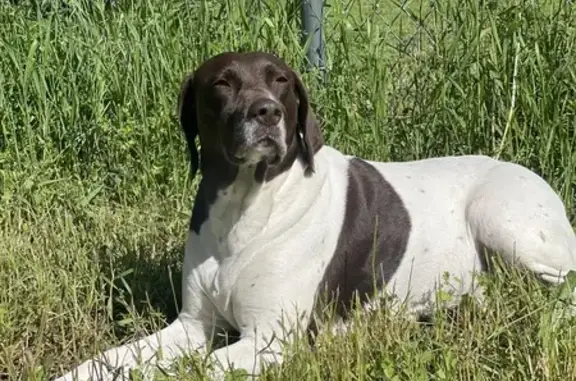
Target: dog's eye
222	83
281	79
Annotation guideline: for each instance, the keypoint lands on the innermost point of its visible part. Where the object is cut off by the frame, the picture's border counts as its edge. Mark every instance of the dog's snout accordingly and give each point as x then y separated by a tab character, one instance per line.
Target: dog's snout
266	111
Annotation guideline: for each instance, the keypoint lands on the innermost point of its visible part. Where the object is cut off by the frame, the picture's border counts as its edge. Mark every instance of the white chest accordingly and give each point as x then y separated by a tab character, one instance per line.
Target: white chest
261	241
239	215
231	238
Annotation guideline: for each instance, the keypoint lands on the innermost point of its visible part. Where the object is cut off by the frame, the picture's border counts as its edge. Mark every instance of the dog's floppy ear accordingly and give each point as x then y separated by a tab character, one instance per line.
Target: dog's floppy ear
187	117
308	130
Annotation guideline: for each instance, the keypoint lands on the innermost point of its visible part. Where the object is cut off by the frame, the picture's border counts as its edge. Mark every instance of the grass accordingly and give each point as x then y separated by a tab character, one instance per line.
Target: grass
95	193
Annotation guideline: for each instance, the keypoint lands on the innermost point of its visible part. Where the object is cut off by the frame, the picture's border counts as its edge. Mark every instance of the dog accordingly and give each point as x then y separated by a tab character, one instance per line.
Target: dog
280	218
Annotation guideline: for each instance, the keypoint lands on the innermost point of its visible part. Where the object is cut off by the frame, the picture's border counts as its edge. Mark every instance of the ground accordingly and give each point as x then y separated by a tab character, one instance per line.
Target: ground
95	191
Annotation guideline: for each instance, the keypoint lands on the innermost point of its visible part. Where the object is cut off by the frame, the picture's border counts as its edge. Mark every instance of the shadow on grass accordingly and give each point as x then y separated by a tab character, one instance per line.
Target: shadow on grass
147	292
143	288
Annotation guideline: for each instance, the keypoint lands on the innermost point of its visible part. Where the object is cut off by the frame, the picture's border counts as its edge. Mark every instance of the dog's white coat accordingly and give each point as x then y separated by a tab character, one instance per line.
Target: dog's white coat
261	254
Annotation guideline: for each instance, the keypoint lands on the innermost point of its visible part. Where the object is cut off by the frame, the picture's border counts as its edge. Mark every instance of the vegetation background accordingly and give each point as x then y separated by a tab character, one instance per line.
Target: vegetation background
95	193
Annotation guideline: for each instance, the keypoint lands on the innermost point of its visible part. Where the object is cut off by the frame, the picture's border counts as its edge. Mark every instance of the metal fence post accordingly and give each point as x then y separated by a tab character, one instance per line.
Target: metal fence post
312	12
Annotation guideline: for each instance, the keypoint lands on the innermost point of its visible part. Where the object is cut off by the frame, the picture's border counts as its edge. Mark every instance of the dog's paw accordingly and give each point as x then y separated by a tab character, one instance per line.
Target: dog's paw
220	374
93	370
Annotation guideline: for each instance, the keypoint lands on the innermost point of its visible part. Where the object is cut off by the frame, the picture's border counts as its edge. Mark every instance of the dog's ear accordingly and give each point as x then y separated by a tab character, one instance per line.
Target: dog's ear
308	130
188	120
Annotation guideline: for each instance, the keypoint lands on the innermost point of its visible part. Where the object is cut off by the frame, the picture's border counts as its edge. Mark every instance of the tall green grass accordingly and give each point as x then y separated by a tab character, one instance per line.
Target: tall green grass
95	191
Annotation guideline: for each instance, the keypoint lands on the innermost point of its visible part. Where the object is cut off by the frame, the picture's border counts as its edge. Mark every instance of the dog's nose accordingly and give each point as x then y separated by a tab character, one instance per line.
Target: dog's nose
265	111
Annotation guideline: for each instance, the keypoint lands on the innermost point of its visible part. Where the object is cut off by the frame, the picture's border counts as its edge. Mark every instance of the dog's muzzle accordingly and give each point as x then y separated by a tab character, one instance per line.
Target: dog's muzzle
261	135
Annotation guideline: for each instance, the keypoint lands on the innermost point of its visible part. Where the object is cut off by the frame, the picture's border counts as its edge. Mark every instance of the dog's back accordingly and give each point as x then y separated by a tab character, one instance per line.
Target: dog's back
463	207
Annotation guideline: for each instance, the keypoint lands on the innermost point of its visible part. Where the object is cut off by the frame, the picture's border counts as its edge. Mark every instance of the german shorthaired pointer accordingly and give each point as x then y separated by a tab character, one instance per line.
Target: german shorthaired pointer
280	219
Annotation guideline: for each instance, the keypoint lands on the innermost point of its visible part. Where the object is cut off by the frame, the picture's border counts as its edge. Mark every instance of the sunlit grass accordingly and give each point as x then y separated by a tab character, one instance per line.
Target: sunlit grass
95	192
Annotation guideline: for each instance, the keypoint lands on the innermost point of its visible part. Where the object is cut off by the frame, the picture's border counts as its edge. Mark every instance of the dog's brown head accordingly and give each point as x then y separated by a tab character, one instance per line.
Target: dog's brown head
248	109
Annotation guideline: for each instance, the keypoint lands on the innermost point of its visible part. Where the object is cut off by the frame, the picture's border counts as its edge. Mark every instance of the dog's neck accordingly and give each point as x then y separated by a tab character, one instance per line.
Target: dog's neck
233	209
233	188
235	204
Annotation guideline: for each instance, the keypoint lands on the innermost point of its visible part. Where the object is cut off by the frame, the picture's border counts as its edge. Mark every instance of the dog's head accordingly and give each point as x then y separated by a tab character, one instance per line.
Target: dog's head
247	109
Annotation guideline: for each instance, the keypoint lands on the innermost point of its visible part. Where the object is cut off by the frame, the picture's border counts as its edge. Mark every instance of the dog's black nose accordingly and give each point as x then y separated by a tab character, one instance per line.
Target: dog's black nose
265	111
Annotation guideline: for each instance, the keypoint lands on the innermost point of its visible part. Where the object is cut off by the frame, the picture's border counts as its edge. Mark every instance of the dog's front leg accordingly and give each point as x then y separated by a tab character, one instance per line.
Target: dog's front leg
180	337
264	333
250	353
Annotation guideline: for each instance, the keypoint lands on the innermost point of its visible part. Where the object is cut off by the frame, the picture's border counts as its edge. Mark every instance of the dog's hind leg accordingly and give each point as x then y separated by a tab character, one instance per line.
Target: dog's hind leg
514	213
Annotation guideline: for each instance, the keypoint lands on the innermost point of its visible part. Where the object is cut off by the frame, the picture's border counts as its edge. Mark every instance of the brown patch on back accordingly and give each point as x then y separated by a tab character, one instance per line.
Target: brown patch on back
373	239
